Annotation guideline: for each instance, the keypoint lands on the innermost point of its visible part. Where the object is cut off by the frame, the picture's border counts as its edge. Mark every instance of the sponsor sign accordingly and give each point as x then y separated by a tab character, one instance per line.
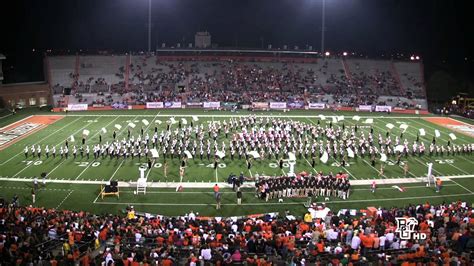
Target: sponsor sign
194	104
77	107
173	105
277	105
154	105
212	105
119	106
296	105
365	108
260	105
383	108
316	105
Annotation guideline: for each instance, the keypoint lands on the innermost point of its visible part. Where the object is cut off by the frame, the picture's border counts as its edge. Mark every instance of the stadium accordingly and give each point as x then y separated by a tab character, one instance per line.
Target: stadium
162	150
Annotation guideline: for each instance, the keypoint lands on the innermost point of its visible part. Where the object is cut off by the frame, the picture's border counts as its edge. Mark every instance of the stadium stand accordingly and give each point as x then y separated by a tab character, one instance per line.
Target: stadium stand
335	81
59	237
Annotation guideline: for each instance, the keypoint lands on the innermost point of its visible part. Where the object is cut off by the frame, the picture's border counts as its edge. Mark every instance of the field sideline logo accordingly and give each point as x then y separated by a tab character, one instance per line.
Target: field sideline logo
406	228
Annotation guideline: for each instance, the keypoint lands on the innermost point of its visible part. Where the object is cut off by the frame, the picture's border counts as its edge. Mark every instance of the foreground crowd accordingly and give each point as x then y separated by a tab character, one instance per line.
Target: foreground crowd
28	237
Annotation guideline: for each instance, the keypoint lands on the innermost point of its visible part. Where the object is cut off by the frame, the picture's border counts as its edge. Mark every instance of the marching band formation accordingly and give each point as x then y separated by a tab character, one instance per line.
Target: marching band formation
250	138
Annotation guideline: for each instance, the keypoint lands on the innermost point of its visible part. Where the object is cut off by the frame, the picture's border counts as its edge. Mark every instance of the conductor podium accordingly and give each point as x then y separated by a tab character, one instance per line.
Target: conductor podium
110	190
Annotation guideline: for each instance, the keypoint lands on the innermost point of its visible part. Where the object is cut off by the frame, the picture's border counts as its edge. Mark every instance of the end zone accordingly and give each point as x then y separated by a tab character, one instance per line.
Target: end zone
21	129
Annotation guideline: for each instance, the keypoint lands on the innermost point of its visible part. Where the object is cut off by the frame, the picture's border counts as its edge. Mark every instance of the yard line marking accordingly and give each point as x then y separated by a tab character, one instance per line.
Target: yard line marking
41	140
222	184
441	129
282	203
253	114
55	168
250	172
54	146
462	186
123	160
382	129
67	196
253	191
333	157
90	163
116	170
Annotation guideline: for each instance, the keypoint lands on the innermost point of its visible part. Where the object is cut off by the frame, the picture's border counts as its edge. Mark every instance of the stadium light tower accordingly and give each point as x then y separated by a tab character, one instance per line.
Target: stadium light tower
149	25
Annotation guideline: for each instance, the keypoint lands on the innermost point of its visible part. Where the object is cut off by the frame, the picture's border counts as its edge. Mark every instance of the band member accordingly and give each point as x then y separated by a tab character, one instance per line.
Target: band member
165	168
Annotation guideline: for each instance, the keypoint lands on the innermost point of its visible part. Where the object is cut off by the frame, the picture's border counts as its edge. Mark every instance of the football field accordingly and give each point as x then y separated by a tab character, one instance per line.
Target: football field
75	183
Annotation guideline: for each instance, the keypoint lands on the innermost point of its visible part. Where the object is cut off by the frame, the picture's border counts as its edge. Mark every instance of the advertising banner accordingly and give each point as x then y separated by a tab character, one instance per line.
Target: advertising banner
383	108
212	104
365	108
260	105
173	105
277	105
296	105
77	107
154	105
120	106
194	105
316	105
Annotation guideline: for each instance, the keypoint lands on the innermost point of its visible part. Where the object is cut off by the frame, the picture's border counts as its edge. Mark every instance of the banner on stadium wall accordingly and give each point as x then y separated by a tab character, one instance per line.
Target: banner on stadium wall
154	105
277	105
365	108
119	106
383	108
77	107
212	104
296	105
194	104
173	105
260	105
316	105
228	105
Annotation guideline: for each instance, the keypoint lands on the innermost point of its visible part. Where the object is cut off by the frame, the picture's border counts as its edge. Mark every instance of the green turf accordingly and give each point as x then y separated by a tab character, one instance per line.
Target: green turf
14	164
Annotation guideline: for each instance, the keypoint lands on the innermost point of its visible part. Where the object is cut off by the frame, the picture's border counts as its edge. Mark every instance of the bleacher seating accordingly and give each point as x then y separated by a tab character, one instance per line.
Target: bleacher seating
347	82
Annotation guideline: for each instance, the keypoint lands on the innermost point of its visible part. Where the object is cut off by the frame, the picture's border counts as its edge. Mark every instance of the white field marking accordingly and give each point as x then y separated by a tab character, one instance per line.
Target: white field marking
253	191
10	114
120	133
250	172
23	119
55	168
283	203
40	140
447	129
452	165
441	138
53	146
210	185
67	196
116	170
244	115
409	172
40	189
470	191
335	158
442	130
90	163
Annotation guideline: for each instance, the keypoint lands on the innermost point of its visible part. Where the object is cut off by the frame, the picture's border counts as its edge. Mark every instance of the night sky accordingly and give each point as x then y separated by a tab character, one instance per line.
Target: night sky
439	31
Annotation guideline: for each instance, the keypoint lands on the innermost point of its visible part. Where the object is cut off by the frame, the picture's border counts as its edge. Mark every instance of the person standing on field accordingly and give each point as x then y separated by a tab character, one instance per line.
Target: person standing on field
239	196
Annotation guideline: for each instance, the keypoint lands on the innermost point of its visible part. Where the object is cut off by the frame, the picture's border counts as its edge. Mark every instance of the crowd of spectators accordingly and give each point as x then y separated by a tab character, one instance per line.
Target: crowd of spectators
245	82
33	236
